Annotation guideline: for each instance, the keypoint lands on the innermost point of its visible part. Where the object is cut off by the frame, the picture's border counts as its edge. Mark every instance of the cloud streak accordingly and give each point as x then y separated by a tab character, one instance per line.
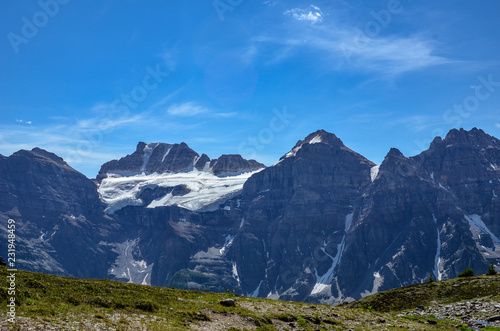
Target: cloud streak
24	122
187	109
312	14
341	45
416	123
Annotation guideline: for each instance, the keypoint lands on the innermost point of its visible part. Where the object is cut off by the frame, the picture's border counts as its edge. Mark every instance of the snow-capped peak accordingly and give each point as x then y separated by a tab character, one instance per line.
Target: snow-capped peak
159	174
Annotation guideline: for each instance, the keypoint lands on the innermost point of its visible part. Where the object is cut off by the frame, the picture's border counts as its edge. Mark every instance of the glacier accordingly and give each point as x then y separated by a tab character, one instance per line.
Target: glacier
206	190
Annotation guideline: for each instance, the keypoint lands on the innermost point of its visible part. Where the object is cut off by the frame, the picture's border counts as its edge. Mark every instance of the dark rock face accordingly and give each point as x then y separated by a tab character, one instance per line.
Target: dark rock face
467	163
398	223
202	162
59	216
324	224
430	214
233	164
150	194
160	158
155	157
297	209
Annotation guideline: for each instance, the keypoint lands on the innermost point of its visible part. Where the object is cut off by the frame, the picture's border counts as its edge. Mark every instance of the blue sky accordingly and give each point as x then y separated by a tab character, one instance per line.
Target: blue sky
88	81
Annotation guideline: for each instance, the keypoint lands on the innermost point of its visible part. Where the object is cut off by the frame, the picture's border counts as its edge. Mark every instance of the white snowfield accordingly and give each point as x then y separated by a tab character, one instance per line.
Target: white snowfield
477	224
374	172
206	191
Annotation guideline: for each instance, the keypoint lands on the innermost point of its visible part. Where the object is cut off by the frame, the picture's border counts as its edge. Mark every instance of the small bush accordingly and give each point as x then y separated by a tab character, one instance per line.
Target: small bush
3	294
262	321
31	283
466	273
190	316
119	305
199	316
99	302
317	320
229	292
286	317
72	300
266	327
302	322
491	270
147	306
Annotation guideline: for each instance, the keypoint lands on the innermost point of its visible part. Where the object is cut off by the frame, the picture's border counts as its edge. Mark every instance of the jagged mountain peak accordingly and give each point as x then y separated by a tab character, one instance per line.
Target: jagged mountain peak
41	154
324	137
473	137
471	156
142	145
320	162
474	144
232	164
317	137
462	134
153	157
396	163
436	142
321	136
174	158
173	174
393	158
394	153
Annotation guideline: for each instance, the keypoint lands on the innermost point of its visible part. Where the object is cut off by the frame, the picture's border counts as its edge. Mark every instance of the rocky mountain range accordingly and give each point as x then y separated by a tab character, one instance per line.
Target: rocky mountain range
323	224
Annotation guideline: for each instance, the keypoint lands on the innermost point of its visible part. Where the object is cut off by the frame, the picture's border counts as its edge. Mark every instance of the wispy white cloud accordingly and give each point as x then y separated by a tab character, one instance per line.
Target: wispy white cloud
270	3
187	109
226	115
24	122
207	140
497	125
340	44
107	123
169	59
70	141
312	14
168	97
340	49
392	55
80	142
416	123
366	118
190	108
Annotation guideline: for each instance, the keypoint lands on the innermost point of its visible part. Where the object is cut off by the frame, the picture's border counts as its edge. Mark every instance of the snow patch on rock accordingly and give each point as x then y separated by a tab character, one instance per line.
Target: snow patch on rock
127	266
374	172
437	259
322	282
227	243
255	293
475	222
315	140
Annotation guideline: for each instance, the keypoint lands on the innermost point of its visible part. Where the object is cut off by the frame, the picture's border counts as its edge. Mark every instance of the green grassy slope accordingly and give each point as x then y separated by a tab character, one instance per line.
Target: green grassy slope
45	301
443	292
